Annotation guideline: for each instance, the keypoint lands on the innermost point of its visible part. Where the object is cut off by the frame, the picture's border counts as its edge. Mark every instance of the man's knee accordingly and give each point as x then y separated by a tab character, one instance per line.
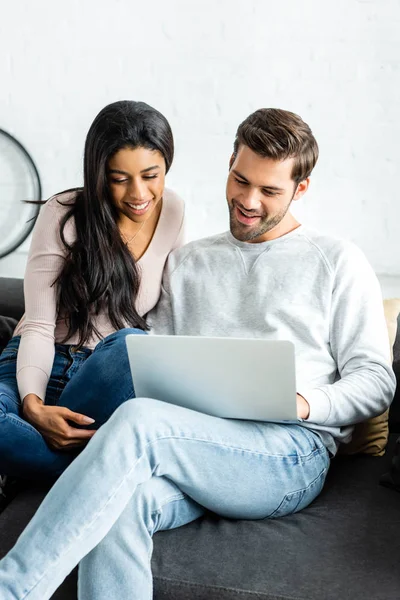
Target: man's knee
135	408
145	412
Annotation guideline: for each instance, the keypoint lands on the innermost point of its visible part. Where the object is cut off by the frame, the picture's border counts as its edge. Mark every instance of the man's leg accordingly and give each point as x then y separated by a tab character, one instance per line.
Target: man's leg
237	469
119	566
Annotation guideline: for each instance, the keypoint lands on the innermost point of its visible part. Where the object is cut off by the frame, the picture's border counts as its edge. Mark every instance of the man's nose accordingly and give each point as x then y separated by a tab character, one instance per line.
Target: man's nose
250	199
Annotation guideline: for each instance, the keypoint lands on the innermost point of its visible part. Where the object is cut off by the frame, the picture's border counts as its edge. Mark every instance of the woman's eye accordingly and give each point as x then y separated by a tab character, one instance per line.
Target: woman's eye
119	180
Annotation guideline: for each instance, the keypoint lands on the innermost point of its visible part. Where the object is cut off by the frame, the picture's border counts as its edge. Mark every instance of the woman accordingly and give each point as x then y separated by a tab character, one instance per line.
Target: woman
94	271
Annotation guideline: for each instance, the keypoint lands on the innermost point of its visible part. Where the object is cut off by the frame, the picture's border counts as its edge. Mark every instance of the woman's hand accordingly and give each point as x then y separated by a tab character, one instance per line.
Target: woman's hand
52	423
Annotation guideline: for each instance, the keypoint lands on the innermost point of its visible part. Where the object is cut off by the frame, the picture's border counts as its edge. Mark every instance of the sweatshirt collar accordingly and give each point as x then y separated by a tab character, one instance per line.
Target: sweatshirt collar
262	245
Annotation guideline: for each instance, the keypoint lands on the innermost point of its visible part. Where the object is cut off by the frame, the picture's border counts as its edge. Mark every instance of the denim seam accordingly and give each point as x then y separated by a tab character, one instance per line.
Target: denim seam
175	498
238	592
126	476
9	397
24	424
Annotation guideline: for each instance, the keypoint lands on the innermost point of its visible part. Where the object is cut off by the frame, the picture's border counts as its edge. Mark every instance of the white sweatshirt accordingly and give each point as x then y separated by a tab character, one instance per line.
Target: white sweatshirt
317	291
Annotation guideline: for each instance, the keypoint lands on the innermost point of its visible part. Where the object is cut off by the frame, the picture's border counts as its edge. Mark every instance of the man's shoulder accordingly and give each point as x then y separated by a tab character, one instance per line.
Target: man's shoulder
332	249
194	249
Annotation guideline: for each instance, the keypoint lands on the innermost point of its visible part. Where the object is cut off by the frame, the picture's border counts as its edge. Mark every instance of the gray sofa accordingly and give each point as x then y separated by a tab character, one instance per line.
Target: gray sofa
346	545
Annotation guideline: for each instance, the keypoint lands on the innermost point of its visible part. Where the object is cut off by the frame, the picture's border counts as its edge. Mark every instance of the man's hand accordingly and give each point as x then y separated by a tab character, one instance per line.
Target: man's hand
52	423
303	408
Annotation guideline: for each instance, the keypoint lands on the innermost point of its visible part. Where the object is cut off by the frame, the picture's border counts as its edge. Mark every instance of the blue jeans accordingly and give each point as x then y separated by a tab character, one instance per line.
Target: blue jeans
155	466
93	383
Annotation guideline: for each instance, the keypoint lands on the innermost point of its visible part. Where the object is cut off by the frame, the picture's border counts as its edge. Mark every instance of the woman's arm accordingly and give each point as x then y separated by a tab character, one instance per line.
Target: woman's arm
45	261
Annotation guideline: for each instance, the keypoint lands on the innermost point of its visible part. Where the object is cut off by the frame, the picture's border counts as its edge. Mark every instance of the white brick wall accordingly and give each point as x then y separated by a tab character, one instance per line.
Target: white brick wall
206	65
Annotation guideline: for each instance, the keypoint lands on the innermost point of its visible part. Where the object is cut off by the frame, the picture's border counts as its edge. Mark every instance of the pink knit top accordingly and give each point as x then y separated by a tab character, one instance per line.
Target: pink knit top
41	326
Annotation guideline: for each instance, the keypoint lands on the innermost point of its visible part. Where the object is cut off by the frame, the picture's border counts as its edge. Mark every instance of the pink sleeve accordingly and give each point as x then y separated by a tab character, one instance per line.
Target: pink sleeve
45	260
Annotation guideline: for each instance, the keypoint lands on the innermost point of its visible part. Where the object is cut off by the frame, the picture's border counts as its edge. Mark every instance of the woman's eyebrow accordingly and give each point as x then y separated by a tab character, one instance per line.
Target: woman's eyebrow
150	168
126	173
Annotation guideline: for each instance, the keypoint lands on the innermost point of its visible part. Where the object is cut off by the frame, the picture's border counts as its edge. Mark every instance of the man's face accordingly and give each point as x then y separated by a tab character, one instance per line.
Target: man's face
259	192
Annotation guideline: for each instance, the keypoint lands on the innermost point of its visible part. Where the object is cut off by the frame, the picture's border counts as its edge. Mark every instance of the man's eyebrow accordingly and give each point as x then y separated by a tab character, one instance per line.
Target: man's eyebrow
264	187
125	173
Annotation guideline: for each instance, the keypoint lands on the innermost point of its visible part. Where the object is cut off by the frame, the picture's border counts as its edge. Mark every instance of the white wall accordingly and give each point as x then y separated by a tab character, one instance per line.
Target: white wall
206	65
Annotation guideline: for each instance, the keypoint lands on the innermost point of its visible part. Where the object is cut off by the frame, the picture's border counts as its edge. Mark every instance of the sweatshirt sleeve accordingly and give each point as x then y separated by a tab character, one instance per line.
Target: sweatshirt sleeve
45	260
160	319
359	345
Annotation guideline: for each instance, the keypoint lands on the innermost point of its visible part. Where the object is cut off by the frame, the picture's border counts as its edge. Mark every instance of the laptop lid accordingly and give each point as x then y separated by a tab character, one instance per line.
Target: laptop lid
226	377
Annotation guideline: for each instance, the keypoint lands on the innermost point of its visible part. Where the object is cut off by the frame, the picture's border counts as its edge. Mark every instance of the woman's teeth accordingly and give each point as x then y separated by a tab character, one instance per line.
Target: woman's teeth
139	206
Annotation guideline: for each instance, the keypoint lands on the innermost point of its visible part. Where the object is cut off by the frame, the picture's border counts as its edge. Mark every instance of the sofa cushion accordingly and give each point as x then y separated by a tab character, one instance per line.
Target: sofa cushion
11	297
394	412
346	542
370	437
7	326
392	478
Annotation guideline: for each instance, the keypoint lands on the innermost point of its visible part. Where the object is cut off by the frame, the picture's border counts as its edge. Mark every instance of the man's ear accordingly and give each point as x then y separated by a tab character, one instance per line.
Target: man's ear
231	161
301	189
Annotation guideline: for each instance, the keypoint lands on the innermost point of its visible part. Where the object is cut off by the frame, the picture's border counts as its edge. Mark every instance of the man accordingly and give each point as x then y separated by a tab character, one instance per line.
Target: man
157	466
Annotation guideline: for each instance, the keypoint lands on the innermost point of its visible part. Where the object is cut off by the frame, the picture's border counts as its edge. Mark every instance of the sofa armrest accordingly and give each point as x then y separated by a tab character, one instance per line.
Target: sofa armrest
11	297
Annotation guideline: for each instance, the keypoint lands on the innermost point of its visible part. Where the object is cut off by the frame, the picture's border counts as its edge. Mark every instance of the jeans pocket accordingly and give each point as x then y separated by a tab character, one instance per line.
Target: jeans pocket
289	504
296	501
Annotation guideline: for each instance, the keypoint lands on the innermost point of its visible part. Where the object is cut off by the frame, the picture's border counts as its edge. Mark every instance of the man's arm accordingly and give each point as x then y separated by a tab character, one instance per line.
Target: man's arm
359	345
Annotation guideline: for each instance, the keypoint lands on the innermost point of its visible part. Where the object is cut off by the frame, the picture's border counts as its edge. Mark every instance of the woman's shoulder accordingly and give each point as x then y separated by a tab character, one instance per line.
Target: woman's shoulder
172	222
173	203
54	210
61	202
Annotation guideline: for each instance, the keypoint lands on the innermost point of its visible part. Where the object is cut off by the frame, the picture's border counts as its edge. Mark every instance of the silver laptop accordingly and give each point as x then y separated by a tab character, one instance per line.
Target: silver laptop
234	378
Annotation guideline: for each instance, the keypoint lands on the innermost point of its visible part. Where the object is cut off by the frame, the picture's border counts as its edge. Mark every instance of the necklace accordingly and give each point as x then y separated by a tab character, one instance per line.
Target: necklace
132	238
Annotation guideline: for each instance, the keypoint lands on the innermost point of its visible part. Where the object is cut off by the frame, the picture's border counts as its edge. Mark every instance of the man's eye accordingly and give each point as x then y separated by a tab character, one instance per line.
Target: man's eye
240	181
150	177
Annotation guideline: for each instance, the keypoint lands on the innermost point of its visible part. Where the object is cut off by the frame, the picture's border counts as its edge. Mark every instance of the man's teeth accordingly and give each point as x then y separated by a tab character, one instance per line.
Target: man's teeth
248	216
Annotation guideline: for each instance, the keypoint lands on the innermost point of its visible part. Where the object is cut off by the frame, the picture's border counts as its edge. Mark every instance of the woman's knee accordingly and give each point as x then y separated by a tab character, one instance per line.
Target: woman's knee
9	401
120	335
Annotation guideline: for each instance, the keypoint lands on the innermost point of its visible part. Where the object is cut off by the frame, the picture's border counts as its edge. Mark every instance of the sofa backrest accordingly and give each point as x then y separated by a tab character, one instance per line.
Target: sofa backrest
394	414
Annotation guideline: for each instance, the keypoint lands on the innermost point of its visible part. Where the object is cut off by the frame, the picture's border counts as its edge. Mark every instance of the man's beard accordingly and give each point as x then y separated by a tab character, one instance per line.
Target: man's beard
244	233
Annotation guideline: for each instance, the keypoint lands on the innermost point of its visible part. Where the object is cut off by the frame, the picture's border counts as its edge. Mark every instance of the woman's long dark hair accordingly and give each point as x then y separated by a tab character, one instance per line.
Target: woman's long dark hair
99	271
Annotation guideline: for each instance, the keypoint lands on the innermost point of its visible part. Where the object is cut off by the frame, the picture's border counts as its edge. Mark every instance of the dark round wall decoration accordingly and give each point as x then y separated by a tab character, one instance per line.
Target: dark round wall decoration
19	181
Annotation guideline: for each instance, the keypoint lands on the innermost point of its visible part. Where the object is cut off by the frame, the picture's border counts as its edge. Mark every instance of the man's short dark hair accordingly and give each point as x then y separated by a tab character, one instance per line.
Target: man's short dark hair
280	134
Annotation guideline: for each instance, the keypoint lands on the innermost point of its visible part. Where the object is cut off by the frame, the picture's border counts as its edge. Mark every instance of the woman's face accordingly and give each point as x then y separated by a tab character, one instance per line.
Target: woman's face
136	178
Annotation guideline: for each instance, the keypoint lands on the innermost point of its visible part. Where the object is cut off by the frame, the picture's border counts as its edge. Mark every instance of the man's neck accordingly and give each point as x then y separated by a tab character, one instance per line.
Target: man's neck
288	224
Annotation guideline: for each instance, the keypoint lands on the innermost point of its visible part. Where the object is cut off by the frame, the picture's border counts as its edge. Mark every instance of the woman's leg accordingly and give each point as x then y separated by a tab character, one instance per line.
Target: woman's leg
23	451
239	469
104	382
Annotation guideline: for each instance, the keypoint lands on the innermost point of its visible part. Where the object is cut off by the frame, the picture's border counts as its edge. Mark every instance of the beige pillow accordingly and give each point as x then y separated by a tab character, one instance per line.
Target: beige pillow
371	436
